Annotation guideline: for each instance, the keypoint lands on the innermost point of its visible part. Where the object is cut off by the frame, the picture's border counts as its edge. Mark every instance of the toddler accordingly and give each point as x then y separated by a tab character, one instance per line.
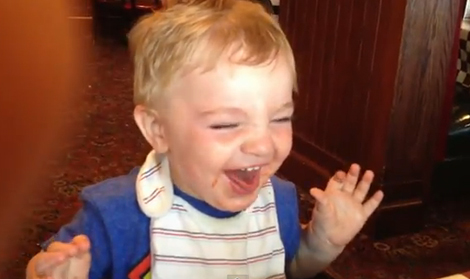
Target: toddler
213	88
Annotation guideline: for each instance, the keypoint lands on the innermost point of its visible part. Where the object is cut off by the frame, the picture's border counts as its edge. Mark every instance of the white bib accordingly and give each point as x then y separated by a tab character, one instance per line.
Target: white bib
186	243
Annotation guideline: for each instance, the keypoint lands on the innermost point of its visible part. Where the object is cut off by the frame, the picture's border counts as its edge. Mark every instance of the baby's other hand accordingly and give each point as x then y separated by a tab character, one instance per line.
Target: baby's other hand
343	207
62	260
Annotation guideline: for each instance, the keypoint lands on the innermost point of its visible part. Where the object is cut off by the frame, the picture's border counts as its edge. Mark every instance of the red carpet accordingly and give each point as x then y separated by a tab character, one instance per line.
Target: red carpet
109	144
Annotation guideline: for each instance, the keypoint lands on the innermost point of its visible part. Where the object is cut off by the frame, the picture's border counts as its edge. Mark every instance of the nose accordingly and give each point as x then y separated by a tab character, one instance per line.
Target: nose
259	144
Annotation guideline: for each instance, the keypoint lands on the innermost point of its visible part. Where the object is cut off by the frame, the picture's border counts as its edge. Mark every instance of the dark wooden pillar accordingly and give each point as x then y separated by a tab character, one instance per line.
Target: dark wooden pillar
372	79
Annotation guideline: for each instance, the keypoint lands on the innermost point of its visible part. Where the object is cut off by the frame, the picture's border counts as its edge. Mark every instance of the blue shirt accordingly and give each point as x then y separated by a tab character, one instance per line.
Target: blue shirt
119	230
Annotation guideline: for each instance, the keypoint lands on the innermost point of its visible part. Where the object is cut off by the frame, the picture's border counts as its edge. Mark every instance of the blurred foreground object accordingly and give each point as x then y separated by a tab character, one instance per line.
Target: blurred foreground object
39	64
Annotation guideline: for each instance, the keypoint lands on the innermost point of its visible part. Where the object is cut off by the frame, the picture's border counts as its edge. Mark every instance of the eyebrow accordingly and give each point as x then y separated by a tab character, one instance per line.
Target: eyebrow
226	110
288	105
236	110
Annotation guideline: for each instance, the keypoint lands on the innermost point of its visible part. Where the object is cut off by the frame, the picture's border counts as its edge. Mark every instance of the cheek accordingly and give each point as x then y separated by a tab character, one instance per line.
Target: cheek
184	148
282	137
202	152
219	144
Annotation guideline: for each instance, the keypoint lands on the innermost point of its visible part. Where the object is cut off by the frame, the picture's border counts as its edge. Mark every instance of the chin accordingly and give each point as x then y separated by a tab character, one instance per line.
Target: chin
239	203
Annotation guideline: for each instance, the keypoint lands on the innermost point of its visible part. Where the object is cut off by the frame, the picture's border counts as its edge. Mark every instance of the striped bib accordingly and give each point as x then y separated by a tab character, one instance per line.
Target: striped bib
186	243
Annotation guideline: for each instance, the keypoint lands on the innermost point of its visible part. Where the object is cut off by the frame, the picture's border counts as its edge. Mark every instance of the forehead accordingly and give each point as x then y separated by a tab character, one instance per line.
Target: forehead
233	84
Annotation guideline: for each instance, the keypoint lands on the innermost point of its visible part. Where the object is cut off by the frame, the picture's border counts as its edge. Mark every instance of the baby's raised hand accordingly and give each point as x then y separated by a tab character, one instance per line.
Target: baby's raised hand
62	261
342	209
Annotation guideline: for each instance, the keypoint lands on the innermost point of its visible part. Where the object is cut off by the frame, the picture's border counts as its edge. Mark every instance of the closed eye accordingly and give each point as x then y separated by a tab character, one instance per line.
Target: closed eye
224	126
283	119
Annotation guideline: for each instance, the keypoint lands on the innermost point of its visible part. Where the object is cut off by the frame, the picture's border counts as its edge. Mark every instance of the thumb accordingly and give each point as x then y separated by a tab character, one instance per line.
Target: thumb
79	267
80	264
82	243
320	196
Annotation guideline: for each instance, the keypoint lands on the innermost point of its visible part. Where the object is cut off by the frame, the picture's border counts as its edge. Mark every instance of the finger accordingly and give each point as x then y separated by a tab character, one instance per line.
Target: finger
351	178
371	204
336	181
80	266
61	271
320	197
67	249
82	243
363	186
46	261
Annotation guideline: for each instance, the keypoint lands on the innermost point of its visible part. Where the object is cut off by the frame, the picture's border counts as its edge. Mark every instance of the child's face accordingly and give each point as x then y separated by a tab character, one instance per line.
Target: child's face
218	124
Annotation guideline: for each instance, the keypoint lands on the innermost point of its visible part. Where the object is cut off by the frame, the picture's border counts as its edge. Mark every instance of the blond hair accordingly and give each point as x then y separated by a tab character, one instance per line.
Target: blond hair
213	3
199	34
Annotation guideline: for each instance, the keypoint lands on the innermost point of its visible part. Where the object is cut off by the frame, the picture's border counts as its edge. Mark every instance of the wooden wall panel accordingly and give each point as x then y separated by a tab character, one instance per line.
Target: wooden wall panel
343	51
421	87
372	77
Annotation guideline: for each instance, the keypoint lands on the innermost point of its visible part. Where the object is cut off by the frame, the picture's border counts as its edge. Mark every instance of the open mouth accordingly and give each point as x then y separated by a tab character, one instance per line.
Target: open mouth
244	180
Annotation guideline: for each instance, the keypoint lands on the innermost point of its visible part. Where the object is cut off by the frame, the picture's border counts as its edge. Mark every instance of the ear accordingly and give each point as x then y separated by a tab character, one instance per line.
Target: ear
151	126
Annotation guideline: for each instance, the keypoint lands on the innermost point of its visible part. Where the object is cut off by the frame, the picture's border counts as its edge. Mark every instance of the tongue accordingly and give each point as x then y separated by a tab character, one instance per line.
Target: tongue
248	180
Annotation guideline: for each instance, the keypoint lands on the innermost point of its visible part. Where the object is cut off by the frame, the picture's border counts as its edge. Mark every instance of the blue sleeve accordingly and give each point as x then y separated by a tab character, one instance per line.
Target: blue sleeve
88	222
288	216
